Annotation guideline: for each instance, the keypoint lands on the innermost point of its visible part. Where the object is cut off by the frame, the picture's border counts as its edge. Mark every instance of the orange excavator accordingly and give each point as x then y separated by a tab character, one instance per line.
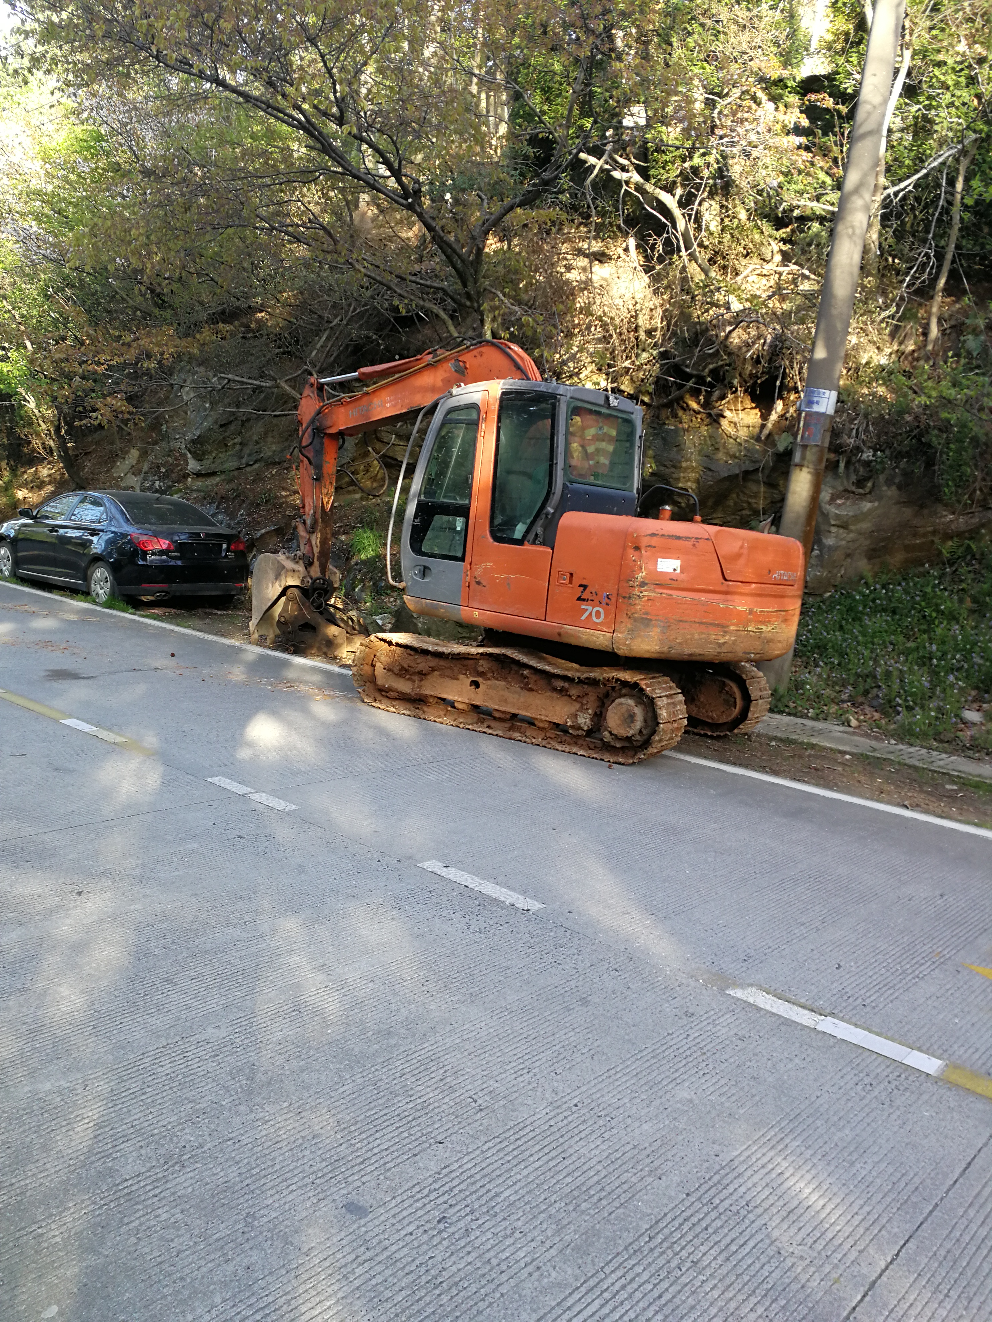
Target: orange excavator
608	625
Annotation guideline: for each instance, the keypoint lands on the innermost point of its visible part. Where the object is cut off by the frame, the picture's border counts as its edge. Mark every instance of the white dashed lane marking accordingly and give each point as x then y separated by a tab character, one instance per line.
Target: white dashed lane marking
107	735
945	1070
247	792
825	1023
484	887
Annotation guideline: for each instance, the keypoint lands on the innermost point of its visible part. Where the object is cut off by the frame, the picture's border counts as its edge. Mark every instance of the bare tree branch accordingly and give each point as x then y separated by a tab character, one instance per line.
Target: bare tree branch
629	176
967	156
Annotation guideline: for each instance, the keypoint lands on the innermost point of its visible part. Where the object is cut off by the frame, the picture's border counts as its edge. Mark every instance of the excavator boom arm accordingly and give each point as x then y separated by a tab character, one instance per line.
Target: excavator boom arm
394	390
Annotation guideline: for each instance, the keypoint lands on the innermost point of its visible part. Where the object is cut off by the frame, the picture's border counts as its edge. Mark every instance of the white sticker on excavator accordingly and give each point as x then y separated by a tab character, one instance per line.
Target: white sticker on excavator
669	566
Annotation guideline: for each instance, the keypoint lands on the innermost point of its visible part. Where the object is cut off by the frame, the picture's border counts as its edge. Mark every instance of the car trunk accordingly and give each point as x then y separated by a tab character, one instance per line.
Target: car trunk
197	544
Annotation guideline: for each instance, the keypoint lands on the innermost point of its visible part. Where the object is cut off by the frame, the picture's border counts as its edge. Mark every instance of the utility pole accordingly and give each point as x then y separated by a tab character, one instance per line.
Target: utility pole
840	283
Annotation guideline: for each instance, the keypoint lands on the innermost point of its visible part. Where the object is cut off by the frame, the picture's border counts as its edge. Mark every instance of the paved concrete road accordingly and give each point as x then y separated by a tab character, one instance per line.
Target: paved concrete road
257	1063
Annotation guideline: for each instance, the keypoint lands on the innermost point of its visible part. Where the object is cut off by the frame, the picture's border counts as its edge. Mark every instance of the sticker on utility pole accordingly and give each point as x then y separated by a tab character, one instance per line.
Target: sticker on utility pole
819	401
669	566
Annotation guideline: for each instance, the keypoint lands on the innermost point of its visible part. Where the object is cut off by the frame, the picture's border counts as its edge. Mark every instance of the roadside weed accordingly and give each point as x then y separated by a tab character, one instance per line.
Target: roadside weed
915	648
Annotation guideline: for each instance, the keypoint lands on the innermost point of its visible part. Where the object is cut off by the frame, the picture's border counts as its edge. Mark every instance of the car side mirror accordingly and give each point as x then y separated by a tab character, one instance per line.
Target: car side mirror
25	514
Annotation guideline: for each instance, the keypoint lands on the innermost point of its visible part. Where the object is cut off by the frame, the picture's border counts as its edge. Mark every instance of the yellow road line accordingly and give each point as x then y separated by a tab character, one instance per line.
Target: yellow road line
53	714
38	707
962	1078
975	968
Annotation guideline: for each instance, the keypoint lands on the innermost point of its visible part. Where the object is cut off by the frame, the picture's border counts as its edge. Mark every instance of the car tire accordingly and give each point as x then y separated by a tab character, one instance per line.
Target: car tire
101	582
8	565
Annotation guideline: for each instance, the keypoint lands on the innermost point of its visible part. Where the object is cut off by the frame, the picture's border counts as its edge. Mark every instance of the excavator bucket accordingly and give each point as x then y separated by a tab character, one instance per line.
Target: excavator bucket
281	612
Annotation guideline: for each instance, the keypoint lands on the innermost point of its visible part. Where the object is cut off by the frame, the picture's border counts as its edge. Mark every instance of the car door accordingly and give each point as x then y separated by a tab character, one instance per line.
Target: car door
509	573
37	542
78	536
436	526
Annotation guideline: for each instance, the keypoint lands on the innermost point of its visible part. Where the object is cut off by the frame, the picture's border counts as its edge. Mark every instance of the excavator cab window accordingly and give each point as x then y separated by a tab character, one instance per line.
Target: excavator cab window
602	447
440	522
524	451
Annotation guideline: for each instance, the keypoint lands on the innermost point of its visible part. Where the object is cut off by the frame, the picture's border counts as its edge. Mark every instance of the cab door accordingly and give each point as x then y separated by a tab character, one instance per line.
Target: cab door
436	525
509	572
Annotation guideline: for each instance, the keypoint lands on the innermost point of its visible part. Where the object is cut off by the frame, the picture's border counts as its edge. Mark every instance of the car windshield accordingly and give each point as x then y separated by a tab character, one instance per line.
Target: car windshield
163	512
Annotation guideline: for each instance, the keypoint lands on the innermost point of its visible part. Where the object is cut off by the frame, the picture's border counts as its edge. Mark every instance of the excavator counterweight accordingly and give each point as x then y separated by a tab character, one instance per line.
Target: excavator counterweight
605	631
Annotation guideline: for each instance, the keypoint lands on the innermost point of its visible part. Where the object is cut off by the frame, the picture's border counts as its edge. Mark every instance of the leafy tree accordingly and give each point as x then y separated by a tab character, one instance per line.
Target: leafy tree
410	133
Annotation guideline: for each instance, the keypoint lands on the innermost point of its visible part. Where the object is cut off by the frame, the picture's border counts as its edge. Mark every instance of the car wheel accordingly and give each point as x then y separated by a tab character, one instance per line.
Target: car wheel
7	567
102	583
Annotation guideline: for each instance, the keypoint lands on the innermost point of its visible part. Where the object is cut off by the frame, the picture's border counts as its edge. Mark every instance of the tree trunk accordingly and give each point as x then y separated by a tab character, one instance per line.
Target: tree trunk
60	437
966	159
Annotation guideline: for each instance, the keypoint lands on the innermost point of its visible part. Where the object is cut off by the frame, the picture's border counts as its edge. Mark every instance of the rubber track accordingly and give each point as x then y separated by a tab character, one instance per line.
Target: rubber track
759	692
668	703
761	695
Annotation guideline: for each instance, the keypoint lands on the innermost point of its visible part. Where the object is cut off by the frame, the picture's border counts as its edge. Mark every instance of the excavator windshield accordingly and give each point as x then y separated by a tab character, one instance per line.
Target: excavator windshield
602	447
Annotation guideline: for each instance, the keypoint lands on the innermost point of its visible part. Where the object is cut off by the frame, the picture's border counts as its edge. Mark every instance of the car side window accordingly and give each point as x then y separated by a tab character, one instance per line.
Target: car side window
90	509
58	507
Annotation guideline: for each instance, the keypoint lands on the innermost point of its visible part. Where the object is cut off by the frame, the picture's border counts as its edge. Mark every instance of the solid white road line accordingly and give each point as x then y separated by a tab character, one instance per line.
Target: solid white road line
823	1023
485	887
832	794
247	792
181	628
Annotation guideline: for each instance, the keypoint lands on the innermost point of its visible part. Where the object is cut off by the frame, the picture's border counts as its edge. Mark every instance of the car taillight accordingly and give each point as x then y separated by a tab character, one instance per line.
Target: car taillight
145	543
238	544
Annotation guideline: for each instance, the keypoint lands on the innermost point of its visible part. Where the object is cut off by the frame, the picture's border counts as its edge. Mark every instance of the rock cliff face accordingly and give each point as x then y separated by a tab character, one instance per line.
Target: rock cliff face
216	442
734	461
895	525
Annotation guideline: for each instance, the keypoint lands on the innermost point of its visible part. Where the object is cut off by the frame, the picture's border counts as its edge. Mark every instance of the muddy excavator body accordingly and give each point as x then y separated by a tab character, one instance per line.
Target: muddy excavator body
605	631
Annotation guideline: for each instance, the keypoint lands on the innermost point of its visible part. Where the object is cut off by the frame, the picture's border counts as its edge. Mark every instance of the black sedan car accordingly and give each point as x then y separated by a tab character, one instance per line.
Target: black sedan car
124	544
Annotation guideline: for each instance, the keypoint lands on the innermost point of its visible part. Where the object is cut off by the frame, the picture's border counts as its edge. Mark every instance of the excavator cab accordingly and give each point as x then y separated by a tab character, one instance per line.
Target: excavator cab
502	463
523	518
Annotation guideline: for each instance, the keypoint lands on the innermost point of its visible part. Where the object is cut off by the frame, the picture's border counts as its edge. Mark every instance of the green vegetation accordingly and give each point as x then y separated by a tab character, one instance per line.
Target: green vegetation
366	544
914	649
8	496
470	161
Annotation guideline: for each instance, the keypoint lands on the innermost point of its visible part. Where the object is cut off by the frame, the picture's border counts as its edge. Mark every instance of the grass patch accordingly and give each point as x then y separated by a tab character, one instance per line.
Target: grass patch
116	604
913	648
366	543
